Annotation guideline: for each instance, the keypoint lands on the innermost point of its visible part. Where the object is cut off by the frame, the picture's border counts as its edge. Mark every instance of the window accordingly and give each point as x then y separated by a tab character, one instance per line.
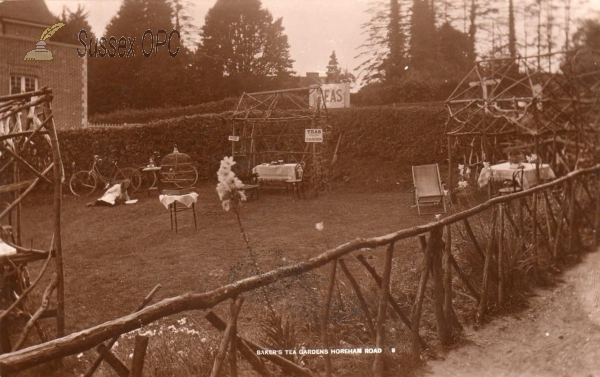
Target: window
22	84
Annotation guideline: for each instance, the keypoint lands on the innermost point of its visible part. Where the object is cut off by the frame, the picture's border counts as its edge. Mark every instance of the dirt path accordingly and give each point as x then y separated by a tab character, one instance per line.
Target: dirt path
558	336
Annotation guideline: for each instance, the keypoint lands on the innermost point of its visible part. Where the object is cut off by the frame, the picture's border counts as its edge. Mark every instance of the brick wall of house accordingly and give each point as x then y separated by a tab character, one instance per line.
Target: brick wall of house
26	31
65	75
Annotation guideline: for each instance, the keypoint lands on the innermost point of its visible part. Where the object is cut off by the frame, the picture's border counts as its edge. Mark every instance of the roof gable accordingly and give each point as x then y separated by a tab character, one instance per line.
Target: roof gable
34	11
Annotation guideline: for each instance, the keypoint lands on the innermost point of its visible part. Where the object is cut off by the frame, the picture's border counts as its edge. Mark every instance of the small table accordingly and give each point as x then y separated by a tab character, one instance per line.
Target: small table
275	173
187	197
503	172
155	181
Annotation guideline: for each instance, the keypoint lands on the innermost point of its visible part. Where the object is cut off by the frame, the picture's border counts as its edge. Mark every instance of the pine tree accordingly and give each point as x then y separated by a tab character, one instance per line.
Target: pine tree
333	71
423	49
243	48
74	22
384	47
137	81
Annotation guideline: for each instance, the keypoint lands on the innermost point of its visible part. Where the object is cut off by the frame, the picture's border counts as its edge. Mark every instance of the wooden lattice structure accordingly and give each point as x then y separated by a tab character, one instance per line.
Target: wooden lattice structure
29	157
269	126
512	104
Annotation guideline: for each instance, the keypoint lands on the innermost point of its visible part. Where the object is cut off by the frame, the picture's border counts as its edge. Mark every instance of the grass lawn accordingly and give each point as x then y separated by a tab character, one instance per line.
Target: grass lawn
114	256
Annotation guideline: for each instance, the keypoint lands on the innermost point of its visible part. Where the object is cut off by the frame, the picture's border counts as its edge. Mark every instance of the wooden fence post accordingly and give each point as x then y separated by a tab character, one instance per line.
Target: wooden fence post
233	350
448	308
324	321
534	225
381	313
501	257
486	272
139	353
596	229
443	327
418	305
572	217
227	336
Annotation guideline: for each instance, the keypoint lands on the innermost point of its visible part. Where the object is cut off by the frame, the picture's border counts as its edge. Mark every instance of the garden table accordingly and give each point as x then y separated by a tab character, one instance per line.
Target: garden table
503	172
275	173
155	179
170	198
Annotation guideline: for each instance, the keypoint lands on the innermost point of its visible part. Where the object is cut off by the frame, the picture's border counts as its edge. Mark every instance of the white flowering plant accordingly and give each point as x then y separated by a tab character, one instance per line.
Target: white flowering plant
532	158
230	188
463	174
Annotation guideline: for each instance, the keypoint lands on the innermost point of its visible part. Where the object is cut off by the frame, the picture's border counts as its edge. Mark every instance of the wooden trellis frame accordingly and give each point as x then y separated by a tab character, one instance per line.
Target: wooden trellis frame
270	126
512	103
28	131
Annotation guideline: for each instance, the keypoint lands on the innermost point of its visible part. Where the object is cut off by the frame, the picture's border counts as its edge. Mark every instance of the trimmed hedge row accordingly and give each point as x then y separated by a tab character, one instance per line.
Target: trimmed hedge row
379	144
133	116
203	137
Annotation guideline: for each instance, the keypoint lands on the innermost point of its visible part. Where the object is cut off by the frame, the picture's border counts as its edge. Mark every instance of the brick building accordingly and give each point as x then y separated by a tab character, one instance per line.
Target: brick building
21	25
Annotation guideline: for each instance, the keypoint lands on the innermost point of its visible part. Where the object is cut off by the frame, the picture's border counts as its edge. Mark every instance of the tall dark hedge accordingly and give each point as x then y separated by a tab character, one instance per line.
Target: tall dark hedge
378	146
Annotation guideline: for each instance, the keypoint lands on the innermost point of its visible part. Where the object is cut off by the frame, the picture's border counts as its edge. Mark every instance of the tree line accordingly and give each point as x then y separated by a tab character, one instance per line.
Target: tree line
414	50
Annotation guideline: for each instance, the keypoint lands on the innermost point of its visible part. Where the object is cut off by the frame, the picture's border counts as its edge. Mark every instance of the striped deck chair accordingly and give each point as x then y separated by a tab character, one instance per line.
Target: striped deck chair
428	186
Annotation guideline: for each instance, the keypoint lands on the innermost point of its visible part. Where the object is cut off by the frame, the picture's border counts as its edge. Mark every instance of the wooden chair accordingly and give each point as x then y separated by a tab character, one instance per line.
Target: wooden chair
297	183
251	189
173	209
428	186
514	185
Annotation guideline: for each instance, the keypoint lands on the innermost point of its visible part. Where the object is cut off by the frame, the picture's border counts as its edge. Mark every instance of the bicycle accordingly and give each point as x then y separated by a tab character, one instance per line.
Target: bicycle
84	182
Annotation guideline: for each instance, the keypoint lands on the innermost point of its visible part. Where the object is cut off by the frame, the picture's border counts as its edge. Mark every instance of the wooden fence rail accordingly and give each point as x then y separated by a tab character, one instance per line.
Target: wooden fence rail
437	265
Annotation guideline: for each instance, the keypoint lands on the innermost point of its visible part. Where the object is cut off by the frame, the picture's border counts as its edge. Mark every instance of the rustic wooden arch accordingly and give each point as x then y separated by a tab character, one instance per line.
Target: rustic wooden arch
29	156
514	104
268	126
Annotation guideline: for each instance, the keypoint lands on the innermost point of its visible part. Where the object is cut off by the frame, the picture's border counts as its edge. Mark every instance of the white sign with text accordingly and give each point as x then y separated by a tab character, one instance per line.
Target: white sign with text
313	135
335	96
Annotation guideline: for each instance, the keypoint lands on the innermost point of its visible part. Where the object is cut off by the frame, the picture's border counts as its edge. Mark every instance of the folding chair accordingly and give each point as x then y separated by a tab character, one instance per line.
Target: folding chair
428	186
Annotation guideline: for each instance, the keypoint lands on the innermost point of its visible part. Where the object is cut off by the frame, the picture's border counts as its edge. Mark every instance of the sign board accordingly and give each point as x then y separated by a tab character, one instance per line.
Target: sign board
313	135
234	138
335	96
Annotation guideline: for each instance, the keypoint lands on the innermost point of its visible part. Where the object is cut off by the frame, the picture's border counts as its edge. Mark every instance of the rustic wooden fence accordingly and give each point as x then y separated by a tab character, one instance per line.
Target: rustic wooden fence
554	220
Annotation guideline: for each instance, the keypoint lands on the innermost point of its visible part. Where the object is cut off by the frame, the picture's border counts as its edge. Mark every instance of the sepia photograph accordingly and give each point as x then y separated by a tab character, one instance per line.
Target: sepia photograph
308	188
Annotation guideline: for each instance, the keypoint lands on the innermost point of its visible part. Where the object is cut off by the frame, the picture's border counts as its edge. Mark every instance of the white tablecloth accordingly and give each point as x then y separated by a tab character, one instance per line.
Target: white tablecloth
503	172
187	199
270	172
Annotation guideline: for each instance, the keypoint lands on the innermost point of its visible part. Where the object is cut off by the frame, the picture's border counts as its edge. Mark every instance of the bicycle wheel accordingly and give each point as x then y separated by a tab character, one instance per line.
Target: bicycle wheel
83	183
134	177
185	176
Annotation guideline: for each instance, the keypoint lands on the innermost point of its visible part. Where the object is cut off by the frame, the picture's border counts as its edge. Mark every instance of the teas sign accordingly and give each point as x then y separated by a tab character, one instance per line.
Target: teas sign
313	135
335	96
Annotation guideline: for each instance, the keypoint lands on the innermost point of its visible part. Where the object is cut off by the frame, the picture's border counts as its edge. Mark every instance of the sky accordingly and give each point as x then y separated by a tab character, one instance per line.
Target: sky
314	28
